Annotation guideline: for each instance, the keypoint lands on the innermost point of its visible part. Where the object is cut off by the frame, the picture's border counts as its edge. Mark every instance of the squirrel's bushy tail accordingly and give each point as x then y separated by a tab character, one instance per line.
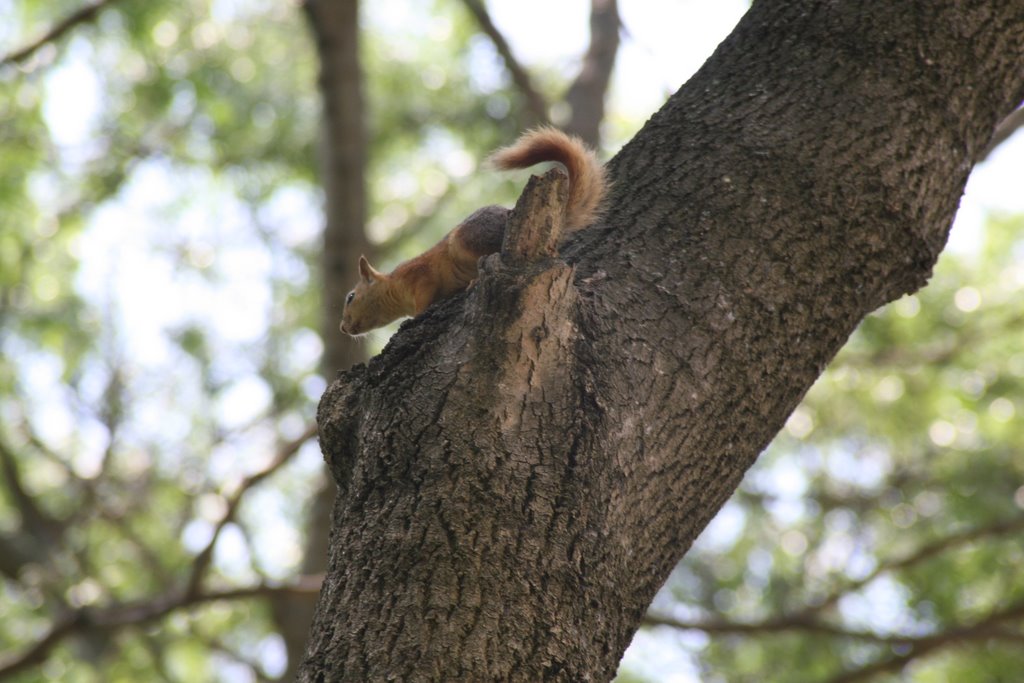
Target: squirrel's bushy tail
587	182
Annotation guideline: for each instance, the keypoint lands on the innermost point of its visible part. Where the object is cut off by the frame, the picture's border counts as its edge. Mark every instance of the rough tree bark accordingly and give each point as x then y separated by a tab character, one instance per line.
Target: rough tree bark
523	465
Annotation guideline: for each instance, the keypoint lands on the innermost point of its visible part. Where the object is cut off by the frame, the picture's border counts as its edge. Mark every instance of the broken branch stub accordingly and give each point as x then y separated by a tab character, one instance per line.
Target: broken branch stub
535	224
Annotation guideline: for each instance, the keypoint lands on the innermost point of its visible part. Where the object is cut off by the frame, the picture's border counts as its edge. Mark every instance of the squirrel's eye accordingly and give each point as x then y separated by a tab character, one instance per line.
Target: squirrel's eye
348	299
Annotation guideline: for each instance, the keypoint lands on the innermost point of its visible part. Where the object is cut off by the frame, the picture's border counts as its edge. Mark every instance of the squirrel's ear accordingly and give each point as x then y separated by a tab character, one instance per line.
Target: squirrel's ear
366	271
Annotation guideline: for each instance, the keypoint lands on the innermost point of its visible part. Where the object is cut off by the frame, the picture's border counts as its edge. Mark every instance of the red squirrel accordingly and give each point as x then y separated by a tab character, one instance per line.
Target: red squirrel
451	265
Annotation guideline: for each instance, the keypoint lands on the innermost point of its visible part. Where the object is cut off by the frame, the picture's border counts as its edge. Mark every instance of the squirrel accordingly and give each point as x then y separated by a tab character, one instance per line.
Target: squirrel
451	265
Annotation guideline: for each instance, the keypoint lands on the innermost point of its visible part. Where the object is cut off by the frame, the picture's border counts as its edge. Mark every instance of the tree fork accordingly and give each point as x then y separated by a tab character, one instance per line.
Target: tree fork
514	390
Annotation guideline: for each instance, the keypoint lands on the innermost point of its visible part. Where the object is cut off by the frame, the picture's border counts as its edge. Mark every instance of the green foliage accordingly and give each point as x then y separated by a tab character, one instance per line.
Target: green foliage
122	464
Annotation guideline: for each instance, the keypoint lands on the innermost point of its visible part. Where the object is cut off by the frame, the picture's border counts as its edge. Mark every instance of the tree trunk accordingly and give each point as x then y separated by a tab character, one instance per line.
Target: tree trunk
335	29
587	93
524	464
335	26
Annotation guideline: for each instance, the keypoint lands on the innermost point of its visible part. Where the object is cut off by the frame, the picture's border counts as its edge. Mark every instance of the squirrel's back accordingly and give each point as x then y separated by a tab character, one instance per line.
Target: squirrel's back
587	182
451	264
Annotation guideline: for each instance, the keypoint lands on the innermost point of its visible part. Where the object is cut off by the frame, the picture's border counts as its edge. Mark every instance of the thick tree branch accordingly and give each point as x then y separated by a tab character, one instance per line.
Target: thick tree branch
85	14
1010	125
536	106
586	96
806	620
768	627
989	627
525	463
334	25
39	532
922	554
33	518
814	626
985	629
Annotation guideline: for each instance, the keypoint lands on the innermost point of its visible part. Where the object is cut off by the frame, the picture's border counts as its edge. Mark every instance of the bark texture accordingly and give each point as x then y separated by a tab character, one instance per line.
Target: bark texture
524	464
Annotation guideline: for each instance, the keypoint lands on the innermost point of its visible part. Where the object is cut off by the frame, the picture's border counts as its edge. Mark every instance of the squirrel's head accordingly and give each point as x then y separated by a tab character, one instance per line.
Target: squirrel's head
366	306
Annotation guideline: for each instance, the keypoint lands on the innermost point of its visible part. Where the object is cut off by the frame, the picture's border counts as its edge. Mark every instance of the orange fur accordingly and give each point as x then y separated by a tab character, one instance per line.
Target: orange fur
587	182
451	264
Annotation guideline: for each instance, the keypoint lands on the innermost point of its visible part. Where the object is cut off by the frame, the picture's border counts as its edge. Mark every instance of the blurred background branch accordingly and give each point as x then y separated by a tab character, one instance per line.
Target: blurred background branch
82	15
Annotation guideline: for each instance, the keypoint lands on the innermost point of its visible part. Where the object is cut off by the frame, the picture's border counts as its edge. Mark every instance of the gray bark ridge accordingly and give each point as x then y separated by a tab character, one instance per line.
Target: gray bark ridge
524	464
